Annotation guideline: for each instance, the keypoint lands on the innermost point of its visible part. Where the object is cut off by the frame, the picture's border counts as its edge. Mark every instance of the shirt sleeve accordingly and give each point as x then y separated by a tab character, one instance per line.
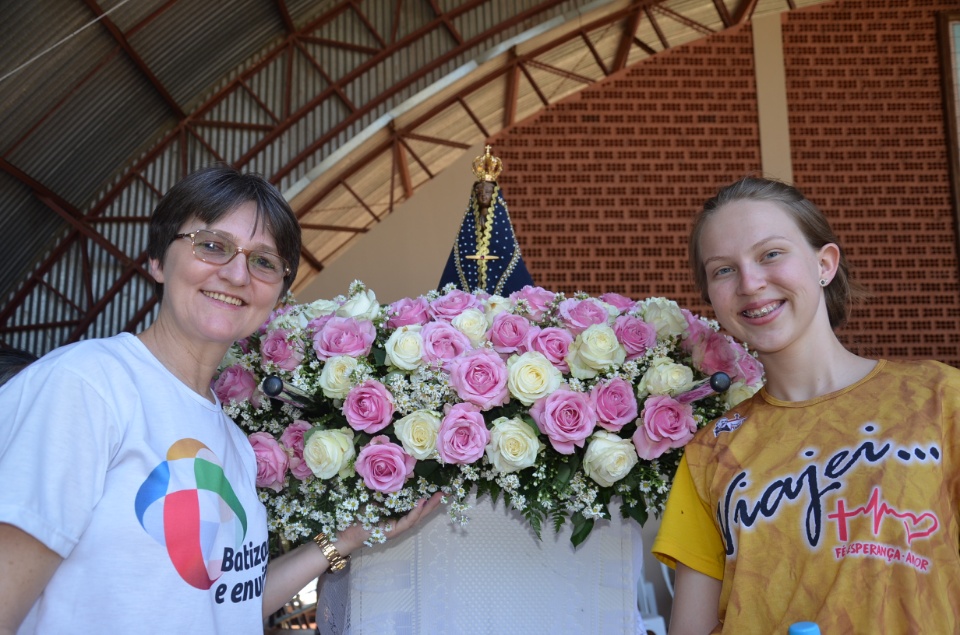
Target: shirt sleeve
687	532
54	453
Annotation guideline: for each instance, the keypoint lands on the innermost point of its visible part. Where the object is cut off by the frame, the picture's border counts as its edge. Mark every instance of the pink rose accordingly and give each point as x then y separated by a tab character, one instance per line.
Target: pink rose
369	407
551	342
697	330
537	300
566	417
667	424
316	324
749	368
442	343
577	315
408	311
463	435
635	335
615	404
384	466
480	378
292	441
243	345
237	384
620	302
271	461
507	332
344	336
714	354
277	348
449	306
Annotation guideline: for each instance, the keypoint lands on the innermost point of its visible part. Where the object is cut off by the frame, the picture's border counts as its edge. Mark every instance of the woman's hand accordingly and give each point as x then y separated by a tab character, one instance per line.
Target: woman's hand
354	536
290	572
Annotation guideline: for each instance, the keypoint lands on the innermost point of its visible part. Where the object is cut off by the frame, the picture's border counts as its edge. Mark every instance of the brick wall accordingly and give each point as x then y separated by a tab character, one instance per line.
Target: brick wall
602	186
868	136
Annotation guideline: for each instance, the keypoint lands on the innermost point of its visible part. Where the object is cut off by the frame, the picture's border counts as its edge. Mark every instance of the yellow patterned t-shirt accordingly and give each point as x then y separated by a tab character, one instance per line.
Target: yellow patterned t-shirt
841	510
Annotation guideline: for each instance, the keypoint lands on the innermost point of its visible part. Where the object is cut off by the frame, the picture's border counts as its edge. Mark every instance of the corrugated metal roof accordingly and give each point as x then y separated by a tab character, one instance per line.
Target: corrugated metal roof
105	105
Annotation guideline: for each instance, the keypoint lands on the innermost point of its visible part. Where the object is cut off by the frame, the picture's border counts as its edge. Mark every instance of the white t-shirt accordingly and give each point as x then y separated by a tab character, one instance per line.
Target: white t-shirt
145	488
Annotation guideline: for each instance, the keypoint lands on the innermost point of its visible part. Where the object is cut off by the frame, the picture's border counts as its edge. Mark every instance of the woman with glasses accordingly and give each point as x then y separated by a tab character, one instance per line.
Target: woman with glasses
129	498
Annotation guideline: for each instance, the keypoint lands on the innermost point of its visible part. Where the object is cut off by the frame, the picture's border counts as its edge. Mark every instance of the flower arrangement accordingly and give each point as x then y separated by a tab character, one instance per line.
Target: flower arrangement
556	404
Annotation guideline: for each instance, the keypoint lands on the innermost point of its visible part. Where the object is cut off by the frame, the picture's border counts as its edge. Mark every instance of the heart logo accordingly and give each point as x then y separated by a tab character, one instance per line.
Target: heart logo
919	526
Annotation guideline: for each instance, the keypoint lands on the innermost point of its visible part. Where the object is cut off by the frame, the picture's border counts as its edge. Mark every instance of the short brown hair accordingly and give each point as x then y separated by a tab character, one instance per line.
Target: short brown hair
209	194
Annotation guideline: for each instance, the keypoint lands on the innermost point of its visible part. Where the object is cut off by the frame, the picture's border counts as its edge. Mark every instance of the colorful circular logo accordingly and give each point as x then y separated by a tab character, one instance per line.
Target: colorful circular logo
188	506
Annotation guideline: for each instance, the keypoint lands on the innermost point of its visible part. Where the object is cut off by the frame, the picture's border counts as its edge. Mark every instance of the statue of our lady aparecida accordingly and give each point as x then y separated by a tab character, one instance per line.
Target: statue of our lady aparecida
485	255
492	575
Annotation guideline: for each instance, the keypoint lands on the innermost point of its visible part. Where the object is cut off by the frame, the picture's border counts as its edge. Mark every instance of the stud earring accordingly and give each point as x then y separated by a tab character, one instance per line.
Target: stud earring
823	282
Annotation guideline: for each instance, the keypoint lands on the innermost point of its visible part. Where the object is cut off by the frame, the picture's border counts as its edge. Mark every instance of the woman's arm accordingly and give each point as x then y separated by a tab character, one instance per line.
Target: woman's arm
26	566
292	571
695	601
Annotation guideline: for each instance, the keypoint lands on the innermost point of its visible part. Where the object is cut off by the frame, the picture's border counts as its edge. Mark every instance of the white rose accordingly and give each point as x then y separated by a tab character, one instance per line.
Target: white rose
330	452
612	312
363	306
531	376
665	377
473	324
335	378
666	316
319	308
513	446
293	319
233	356
495	305
417	433
737	392
404	347
298	317
594	350
608	458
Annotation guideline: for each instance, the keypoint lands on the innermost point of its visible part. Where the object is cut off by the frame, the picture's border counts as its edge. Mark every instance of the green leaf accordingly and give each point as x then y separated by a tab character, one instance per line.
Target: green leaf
425	468
512	409
558	519
637	513
581	529
605	495
379	356
527	419
535	520
565	471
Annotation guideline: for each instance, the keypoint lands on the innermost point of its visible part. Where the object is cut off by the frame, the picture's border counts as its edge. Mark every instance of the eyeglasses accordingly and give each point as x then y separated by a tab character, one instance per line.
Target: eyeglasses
216	249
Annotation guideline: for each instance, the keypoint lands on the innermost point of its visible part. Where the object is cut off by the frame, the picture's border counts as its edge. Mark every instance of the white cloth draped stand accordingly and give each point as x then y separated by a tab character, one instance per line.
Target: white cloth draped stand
490	576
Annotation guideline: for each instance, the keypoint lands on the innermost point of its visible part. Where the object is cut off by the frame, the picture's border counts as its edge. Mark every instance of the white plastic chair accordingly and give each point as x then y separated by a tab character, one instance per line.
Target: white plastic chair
653	622
667	577
655	625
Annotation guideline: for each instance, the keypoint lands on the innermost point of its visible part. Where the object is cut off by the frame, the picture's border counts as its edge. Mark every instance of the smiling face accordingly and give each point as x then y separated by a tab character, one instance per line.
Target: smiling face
212	304
763	276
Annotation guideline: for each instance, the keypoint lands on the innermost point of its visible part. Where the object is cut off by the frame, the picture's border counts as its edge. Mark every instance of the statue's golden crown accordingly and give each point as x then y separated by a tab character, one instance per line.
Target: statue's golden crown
487	167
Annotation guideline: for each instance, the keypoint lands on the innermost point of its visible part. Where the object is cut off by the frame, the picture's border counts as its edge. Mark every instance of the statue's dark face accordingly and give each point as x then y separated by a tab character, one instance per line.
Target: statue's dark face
484	191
